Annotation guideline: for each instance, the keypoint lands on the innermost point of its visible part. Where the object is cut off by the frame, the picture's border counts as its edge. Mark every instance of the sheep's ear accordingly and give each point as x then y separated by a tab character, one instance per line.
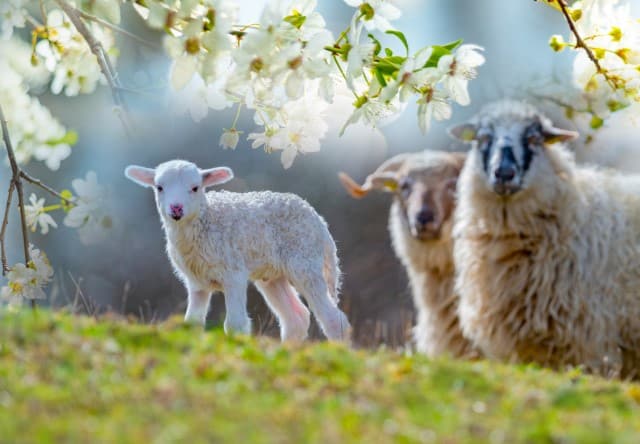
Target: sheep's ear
216	176
465	132
554	135
140	175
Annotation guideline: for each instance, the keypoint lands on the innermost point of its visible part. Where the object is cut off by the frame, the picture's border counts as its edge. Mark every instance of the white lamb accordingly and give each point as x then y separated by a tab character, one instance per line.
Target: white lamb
547	252
218	241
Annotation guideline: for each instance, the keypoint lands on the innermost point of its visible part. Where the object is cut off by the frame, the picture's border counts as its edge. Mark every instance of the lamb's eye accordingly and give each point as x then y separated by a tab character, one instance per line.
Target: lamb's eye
194	189
159	188
534	139
405	185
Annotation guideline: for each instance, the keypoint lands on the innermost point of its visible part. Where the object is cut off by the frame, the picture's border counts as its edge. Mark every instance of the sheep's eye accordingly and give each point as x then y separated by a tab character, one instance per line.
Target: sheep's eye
194	189
405	185
159	188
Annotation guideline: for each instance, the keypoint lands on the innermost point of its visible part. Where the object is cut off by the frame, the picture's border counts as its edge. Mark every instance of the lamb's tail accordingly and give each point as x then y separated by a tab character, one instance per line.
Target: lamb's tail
331	268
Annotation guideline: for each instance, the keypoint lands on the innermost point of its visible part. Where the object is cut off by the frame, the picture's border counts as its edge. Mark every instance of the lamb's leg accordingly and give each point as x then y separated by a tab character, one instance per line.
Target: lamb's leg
198	305
332	320
283	301
235	298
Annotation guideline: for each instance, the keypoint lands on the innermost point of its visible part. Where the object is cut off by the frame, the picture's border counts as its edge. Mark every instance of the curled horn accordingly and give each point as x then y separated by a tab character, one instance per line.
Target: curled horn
383	177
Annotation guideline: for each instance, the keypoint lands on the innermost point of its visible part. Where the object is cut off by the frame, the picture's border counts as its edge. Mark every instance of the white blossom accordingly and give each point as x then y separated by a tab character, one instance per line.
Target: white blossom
377	13
230	138
68	57
90	214
458	69
432	104
27	281
36	215
13	14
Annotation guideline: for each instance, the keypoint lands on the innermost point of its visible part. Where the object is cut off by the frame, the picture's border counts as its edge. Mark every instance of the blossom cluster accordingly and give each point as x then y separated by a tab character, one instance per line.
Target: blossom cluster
289	63
26	281
612	36
86	209
35	133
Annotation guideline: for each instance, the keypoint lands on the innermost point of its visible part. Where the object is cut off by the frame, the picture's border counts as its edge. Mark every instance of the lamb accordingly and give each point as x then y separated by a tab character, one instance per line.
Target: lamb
420	222
547	252
218	241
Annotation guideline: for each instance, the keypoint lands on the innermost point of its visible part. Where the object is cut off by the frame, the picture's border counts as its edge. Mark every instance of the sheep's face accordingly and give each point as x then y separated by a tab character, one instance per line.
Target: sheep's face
178	186
509	140
427	198
424	185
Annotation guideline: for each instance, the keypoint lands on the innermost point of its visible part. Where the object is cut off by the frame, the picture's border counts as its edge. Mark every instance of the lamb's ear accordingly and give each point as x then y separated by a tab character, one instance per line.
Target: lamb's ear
465	132
140	175
216	176
554	135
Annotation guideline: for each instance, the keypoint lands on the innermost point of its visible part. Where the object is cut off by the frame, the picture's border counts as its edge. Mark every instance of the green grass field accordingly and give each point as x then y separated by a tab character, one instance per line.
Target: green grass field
75	379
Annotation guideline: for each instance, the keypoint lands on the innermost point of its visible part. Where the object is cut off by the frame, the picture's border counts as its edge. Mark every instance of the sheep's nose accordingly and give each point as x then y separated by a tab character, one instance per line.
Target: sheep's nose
505	173
425	216
176	211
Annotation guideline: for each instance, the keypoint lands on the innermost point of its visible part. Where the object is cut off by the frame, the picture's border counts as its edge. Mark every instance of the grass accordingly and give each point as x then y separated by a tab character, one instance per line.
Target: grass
75	379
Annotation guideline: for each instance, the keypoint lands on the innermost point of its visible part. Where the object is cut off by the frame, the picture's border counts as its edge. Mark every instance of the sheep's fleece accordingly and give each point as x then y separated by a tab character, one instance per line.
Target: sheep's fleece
272	239
551	273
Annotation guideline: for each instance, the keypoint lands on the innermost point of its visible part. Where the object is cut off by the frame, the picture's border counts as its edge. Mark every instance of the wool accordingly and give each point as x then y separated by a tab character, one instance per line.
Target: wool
275	240
550	274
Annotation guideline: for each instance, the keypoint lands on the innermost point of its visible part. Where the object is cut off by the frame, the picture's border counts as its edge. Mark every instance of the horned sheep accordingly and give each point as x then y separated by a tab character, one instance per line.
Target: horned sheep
420	222
218	241
547	252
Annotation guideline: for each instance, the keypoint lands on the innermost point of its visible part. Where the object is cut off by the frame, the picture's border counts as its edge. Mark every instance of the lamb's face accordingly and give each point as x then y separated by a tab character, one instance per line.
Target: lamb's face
178	191
509	142
178	186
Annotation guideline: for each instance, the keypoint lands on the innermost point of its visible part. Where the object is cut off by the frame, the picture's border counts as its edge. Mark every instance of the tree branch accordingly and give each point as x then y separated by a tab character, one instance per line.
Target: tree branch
16	180
47	188
103	60
5	222
581	44
118	29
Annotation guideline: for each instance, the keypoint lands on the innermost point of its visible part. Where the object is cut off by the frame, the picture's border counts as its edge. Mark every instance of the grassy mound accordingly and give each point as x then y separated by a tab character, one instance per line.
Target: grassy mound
75	379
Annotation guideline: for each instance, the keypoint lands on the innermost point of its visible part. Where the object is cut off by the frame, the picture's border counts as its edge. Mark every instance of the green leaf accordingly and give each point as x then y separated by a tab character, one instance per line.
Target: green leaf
388	52
439	51
389	65
377	44
70	138
380	77
401	37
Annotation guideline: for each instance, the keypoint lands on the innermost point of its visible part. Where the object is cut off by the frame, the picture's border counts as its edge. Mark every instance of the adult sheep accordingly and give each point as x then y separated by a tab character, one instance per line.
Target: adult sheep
547	252
420	221
218	241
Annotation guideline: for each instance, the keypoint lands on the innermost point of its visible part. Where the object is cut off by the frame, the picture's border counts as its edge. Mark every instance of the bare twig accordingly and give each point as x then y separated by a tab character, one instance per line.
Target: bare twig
581	44
103	60
118	29
5	222
47	188
17	183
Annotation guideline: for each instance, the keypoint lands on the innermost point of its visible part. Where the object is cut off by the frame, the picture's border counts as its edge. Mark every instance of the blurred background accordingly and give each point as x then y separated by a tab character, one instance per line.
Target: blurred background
130	273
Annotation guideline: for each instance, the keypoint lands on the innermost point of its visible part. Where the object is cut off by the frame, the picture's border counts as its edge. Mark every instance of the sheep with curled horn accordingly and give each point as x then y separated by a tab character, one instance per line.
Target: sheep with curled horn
547	252
420	222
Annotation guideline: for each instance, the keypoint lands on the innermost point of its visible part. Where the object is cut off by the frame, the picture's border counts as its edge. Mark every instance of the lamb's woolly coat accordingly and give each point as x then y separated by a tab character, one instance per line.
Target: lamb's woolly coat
552	275
262	235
